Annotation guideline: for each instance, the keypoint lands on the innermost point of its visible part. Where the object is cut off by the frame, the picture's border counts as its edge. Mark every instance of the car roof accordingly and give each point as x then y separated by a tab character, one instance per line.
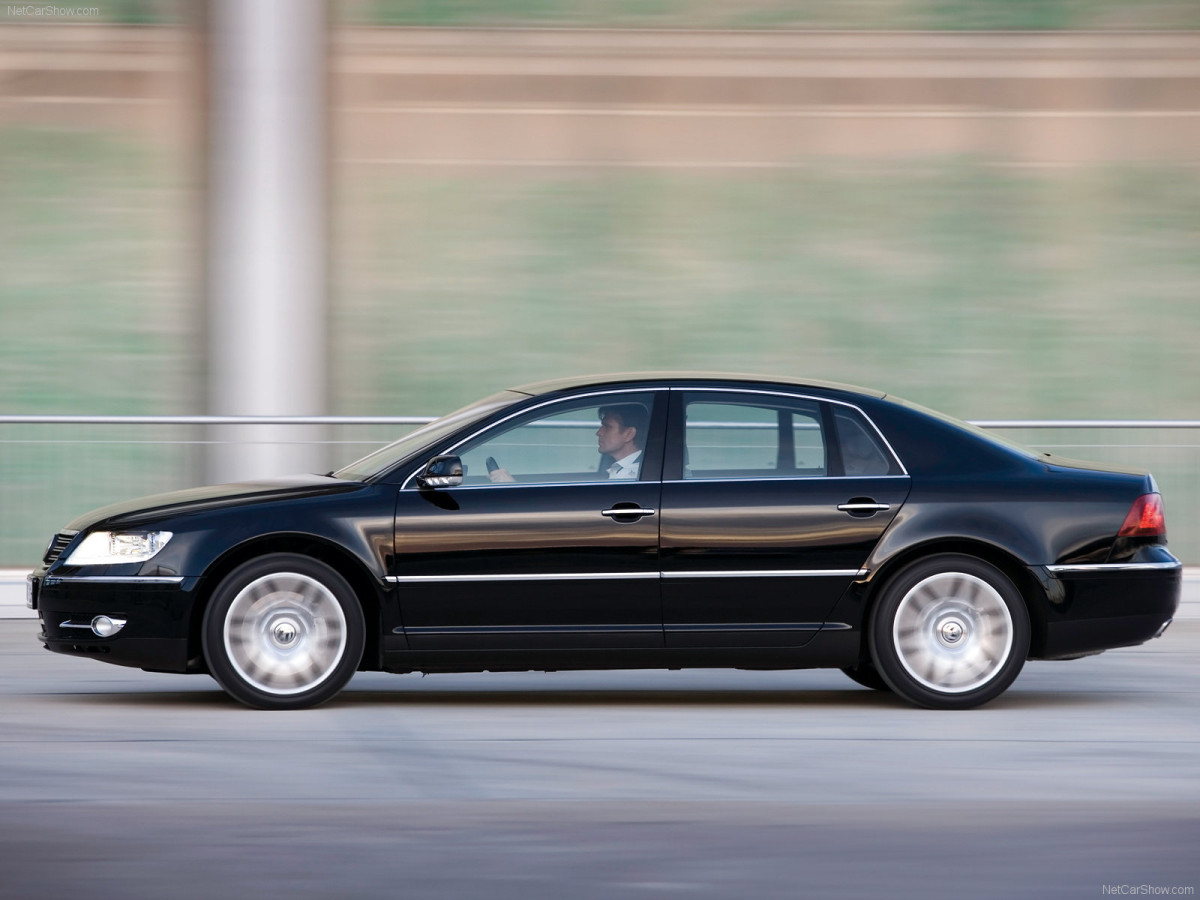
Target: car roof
705	378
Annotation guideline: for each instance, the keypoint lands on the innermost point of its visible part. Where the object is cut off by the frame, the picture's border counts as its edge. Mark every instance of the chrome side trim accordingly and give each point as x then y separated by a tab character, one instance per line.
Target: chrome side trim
113	579
632	576
609	483
606	482
434	630
69	624
745	626
1114	567
783	478
426	630
772	573
539	576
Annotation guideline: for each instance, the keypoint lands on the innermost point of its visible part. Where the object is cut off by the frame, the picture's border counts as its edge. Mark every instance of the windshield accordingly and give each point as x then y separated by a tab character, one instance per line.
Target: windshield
384	458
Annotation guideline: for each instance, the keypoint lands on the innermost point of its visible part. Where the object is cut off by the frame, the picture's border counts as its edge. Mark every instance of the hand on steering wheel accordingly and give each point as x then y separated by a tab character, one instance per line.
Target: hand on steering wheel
496	473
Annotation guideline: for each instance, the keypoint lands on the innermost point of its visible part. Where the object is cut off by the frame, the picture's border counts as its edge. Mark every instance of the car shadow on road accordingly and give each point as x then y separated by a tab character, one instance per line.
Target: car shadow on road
499	699
616	697
213	699
503	697
850	699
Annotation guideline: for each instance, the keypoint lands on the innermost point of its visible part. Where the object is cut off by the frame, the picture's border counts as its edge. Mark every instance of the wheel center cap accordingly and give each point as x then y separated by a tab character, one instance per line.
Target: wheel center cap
951	631
284	632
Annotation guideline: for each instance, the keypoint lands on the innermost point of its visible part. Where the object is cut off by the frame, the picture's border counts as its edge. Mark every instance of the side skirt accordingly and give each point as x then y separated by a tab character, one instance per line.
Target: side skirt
828	649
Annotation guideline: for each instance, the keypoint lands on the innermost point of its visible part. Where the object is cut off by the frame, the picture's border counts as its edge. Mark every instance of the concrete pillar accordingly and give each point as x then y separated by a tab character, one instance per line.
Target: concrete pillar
266	229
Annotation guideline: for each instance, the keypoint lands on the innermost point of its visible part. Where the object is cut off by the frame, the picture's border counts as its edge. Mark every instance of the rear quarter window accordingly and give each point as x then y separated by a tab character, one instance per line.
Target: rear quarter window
863	453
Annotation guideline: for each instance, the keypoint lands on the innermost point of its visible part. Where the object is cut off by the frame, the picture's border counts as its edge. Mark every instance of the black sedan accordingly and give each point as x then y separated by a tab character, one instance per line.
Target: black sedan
631	522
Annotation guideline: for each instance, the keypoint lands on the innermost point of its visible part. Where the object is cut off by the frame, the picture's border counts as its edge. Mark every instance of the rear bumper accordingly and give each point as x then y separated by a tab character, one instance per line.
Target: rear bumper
1104	606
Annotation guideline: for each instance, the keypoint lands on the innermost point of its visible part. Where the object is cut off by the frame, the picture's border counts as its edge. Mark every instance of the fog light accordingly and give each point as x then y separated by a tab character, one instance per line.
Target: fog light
104	626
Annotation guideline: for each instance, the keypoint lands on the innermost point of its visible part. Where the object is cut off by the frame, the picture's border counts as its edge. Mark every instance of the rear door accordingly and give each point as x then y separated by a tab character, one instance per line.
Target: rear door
771	504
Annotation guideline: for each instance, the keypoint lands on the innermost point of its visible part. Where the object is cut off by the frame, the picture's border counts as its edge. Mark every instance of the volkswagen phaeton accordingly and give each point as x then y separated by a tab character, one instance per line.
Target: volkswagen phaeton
644	521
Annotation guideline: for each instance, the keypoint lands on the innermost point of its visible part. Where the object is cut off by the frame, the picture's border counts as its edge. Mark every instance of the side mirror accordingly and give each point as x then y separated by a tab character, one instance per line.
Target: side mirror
442	471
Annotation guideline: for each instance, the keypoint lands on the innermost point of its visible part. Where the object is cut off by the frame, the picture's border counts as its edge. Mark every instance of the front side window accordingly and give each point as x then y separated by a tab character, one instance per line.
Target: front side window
753	438
598	438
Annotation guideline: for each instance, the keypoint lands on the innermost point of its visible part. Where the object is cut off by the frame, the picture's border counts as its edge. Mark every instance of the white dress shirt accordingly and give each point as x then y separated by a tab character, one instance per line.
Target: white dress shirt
627	467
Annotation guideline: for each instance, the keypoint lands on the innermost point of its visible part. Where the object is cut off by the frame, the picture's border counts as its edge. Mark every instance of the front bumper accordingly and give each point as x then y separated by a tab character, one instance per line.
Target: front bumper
156	611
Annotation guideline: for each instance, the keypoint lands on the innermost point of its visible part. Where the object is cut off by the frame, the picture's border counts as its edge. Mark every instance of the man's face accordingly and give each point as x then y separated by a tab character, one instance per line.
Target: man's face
614	438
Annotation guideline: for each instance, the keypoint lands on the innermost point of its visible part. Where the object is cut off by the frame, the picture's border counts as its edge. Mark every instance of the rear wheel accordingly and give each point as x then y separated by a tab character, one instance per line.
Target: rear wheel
283	632
949	632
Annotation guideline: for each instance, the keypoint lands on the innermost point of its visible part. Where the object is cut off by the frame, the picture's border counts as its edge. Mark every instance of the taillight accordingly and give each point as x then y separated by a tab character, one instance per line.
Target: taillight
1145	518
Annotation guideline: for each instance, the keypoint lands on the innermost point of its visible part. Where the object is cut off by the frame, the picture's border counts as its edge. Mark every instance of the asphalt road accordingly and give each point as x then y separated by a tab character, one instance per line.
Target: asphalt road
119	783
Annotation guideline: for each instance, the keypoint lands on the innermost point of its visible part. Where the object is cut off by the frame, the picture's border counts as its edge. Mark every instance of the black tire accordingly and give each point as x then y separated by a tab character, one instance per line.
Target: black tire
949	632
868	676
283	631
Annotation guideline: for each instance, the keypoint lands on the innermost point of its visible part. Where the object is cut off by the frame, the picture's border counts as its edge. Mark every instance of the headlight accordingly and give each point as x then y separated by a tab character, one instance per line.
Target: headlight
109	548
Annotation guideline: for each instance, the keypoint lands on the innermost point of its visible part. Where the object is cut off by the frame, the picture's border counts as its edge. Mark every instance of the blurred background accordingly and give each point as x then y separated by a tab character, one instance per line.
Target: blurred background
985	206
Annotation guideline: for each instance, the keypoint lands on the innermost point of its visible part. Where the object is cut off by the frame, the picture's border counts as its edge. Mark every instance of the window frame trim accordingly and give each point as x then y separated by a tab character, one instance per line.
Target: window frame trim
676	435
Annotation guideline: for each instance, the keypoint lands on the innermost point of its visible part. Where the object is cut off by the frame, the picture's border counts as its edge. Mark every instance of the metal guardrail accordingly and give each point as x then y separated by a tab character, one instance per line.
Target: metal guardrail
424	420
1001	424
215	420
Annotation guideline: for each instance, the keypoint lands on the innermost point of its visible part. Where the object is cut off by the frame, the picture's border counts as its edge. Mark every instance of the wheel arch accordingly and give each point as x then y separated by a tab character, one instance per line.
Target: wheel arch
1026	583
361	582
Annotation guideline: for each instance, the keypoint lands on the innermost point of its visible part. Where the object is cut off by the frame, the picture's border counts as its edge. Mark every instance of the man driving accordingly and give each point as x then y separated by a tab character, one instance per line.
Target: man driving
621	437
620	440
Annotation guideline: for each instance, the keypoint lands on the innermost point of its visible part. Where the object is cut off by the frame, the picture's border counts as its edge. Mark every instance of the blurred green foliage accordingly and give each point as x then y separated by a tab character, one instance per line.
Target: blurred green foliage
935	15
97	291
141	12
990	292
987	292
918	15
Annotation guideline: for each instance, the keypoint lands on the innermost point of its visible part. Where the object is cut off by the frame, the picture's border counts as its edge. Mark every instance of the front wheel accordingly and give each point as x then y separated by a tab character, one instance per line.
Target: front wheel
283	632
949	632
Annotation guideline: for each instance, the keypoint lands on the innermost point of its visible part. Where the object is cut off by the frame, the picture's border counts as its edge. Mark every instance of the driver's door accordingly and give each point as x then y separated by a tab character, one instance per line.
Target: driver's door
561	557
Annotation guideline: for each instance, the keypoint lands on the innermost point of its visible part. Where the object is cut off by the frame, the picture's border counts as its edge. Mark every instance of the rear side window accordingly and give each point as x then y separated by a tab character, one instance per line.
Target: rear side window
753	438
863	454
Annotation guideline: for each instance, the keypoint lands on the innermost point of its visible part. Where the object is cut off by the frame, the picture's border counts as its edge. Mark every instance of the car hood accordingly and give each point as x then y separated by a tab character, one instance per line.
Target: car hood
143	509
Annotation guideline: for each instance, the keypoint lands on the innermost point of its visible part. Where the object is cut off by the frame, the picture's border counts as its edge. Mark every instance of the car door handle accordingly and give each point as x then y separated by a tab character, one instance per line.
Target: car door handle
631	511
863	505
